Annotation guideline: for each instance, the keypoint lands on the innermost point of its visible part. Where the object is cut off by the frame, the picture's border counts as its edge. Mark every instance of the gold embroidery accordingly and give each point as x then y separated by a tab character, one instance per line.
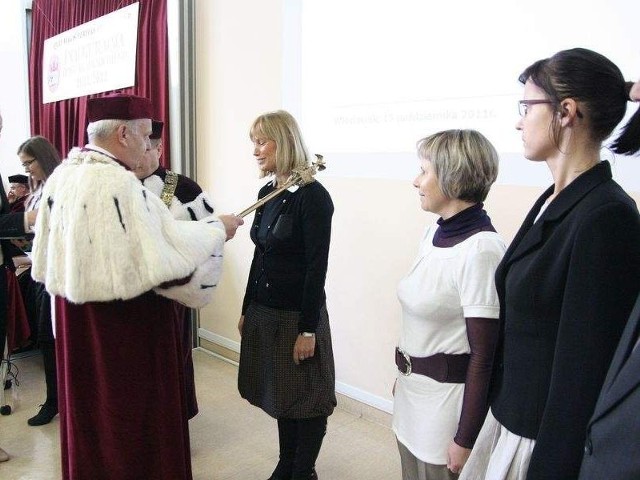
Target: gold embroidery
169	189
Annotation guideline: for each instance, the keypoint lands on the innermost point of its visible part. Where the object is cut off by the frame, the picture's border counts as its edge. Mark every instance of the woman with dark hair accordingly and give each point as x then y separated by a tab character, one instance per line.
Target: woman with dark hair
568	280
286	357
39	158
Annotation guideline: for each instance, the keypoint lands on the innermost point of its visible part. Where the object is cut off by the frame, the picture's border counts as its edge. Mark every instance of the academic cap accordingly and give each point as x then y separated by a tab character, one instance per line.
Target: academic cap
19	178
118	107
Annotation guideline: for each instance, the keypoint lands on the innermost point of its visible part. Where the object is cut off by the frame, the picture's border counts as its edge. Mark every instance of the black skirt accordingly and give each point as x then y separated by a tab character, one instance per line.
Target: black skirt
268	377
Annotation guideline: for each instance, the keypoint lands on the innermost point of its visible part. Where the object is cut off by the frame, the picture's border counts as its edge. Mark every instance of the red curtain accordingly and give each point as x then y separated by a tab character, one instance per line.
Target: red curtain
64	123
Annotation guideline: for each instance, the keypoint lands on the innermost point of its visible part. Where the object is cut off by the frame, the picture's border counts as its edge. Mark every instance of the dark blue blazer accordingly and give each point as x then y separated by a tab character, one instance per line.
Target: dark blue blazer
612	446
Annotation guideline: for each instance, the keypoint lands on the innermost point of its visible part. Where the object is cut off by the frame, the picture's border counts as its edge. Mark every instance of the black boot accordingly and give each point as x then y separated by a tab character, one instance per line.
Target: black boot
50	372
287	438
311	431
50	407
44	416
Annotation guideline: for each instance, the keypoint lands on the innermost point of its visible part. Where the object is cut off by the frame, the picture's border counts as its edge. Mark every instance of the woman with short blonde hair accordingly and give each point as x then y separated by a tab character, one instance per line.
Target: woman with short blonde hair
449	310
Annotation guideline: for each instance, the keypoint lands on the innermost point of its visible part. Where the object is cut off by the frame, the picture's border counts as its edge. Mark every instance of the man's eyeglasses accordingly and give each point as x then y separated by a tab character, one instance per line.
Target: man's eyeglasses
523	105
28	162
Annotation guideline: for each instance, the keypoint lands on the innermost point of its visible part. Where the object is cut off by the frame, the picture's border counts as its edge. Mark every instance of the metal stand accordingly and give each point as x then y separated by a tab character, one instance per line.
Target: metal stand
5	409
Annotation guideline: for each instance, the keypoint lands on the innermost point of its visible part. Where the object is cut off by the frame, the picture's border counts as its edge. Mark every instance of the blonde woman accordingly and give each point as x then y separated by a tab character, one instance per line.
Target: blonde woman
449	310
286	359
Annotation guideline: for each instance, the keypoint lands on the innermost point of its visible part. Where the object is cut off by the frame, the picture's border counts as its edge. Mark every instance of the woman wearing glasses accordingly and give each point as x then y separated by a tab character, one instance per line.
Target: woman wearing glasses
569	278
39	158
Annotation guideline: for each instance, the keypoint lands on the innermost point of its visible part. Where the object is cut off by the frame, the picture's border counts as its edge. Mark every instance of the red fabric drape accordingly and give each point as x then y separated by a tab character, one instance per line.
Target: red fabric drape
64	123
18	330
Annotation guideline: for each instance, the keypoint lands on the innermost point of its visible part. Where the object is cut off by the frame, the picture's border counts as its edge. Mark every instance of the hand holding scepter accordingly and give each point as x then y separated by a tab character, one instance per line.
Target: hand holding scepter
300	177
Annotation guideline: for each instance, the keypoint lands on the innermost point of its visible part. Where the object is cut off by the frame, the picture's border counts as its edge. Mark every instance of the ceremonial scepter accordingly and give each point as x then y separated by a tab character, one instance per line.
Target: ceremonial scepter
299	176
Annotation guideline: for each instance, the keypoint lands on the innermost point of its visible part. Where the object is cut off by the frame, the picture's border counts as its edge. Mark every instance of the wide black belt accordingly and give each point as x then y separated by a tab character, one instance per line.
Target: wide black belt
442	367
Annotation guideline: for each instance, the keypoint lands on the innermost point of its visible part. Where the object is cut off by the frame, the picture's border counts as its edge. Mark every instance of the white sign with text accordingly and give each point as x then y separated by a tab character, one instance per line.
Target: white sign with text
94	57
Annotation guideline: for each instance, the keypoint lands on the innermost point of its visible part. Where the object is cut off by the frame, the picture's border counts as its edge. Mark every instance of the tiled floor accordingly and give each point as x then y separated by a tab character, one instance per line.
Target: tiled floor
230	439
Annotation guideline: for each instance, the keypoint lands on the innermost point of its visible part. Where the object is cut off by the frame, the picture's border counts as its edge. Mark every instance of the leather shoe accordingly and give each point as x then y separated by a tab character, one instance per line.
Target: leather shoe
44	416
4	456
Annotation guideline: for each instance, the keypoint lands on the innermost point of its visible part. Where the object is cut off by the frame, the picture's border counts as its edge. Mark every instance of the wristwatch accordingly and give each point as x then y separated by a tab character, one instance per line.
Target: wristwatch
308	334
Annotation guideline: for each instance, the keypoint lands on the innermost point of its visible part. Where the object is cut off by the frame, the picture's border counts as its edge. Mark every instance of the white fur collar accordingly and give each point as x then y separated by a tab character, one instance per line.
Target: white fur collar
101	236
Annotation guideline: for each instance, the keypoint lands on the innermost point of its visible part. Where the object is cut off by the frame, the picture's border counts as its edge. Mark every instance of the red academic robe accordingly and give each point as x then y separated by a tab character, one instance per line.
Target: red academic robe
18	205
121	387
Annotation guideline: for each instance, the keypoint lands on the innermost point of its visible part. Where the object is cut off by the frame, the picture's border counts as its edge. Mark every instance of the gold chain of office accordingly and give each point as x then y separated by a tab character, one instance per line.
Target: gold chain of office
169	189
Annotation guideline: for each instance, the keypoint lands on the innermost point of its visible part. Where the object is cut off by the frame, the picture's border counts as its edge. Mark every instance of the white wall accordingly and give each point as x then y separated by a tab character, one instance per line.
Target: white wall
377	222
14	86
366	91
238	76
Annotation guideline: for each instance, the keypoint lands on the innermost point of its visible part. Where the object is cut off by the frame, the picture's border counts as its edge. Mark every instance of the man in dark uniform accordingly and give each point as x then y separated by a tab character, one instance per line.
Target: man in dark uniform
186	201
18	191
611	445
17	196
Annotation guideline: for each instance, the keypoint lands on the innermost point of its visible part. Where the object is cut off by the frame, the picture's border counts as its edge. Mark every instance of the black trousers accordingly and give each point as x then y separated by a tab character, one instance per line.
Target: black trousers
300	442
29	290
47	343
3	310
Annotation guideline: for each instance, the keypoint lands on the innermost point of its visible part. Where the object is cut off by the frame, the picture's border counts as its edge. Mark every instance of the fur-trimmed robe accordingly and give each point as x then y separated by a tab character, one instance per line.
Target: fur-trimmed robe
189	202
104	245
102	236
